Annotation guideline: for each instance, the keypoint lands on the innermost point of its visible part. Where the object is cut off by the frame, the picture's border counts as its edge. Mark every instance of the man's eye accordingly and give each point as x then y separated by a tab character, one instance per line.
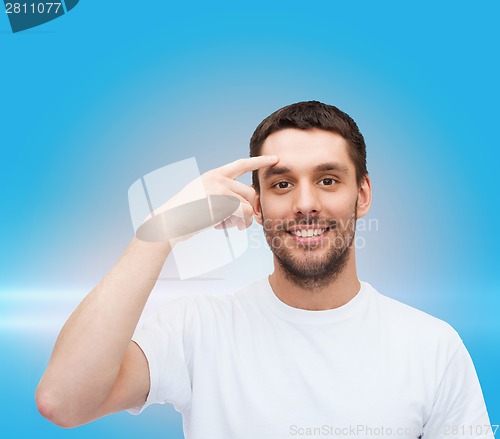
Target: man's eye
282	185
328	181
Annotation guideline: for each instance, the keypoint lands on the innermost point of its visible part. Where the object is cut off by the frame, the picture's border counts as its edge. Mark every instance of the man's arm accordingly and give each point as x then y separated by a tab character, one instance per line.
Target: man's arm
86	377
459	410
95	369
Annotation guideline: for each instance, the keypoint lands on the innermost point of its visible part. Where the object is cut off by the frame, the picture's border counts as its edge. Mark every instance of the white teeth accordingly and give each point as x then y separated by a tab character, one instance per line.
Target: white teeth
308	233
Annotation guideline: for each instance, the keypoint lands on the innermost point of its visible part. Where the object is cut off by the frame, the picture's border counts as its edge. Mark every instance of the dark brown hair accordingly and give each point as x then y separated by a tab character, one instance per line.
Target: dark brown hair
310	115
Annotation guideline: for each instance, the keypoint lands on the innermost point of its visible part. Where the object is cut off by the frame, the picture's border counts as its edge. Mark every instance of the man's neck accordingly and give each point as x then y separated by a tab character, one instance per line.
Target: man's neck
336	293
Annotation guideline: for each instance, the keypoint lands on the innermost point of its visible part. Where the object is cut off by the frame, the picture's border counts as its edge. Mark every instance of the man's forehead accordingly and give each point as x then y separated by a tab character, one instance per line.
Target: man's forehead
307	151
288	136
299	145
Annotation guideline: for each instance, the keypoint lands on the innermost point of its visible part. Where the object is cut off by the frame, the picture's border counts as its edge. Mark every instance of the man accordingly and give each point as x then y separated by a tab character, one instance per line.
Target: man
309	351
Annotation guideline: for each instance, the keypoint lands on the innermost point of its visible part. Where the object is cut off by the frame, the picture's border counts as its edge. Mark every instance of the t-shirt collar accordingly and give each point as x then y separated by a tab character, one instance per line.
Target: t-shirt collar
328	316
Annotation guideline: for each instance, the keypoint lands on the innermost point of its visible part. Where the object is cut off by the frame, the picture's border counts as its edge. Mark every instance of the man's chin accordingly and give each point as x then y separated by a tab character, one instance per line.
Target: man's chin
305	262
311	267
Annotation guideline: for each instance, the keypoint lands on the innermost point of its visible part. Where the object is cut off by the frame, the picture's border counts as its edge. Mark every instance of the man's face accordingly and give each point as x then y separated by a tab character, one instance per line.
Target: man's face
309	202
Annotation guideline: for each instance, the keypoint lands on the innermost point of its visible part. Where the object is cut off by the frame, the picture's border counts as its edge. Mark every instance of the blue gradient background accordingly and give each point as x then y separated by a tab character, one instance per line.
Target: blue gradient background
94	100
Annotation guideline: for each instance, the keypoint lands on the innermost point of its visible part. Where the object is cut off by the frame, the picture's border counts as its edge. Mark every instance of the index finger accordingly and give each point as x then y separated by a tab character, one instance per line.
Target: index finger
241	166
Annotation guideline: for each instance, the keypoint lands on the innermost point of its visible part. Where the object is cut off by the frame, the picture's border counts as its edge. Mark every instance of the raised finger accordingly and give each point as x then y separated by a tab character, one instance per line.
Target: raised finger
242	166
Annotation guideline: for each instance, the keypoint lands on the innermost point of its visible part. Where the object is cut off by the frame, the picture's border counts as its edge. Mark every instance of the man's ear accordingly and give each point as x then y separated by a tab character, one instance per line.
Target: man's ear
364	196
256	206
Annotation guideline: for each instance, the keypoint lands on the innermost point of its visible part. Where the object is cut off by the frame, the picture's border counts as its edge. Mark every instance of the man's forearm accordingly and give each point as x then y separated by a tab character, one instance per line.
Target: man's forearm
89	350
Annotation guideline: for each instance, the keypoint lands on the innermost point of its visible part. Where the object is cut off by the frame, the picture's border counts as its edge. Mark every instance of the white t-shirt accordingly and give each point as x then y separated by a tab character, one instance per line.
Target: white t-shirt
246	365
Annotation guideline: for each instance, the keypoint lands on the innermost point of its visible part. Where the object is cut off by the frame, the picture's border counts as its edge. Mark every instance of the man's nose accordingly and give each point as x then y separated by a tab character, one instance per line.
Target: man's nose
306	200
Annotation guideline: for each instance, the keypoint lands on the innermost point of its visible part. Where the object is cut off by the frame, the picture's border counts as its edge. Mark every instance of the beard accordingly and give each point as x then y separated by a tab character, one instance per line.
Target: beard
307	266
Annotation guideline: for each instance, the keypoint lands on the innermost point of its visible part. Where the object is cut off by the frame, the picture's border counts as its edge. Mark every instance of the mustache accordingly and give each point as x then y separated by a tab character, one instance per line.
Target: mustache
310	221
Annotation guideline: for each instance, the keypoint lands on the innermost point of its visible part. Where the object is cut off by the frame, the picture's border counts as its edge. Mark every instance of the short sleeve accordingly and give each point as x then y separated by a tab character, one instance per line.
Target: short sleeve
459	409
166	340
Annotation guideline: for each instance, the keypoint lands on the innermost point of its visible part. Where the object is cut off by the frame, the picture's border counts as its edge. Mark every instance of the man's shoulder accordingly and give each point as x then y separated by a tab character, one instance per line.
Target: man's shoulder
216	302
408	320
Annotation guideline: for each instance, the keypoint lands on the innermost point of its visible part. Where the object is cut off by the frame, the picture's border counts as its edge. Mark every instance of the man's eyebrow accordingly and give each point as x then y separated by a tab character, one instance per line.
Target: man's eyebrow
331	166
275	170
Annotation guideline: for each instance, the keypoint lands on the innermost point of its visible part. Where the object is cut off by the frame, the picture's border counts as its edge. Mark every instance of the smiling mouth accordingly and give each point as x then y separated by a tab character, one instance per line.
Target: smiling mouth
308	233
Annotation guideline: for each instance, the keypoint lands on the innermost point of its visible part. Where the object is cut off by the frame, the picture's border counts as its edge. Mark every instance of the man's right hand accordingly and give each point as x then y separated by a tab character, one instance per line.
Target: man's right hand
218	181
